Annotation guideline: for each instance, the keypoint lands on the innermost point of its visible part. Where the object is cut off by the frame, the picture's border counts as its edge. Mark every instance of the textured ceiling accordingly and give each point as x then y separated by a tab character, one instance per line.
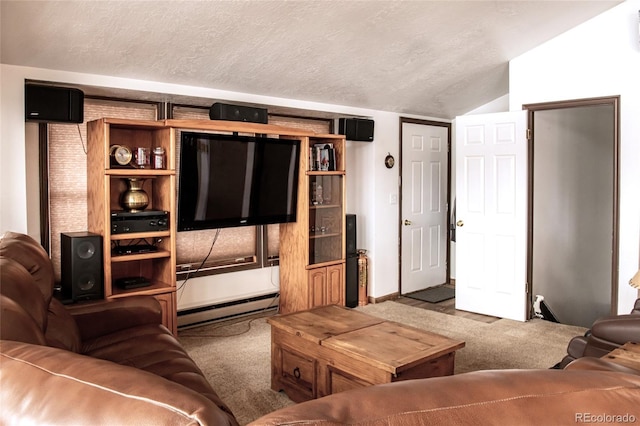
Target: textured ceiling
434	58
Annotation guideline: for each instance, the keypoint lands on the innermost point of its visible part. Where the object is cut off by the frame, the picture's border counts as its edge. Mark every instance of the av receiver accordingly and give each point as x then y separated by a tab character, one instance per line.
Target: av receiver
145	221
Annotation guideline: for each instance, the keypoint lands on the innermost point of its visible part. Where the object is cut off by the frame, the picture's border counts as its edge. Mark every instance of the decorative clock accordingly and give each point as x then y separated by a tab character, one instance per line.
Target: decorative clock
121	155
389	161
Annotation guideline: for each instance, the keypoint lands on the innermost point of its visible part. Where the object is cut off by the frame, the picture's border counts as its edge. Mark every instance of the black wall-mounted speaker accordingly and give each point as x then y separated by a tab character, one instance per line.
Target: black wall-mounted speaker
356	129
53	104
81	272
219	111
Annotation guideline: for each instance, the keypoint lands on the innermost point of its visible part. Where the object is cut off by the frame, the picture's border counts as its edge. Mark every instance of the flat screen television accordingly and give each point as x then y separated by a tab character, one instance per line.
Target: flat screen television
232	180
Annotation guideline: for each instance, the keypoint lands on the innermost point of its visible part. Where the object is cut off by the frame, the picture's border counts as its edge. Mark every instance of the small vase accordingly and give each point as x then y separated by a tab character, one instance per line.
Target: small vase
134	199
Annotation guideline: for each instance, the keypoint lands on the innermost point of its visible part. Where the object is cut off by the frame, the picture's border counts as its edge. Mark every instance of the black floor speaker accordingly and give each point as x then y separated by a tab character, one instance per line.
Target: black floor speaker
81	258
53	104
351	274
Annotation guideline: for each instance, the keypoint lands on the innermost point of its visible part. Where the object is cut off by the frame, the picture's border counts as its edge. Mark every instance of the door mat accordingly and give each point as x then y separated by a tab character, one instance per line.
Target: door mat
434	294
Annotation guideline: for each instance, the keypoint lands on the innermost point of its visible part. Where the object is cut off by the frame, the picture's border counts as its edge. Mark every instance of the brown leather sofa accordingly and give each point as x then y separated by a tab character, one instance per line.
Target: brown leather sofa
108	362
595	391
605	335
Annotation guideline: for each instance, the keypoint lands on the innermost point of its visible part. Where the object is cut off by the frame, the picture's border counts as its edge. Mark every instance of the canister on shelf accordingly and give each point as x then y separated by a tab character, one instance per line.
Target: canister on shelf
159	159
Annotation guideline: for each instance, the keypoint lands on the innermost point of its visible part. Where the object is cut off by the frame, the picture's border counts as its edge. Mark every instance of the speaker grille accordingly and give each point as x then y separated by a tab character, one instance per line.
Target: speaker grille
82	269
53	104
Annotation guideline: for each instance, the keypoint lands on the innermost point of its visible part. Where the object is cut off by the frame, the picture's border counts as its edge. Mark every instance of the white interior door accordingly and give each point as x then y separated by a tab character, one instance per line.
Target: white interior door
491	214
424	206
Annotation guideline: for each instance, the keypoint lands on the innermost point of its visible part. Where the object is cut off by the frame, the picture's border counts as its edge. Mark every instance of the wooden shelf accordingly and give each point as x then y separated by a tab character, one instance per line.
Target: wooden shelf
154	288
140	256
325	206
331	173
325	235
312	263
142	173
105	186
140	235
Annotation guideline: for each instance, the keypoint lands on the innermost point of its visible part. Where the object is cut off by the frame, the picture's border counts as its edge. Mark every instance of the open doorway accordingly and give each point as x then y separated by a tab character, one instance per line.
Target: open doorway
424	208
573	209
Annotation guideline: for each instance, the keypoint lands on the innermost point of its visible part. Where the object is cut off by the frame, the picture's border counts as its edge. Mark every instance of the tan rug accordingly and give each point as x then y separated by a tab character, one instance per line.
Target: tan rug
235	356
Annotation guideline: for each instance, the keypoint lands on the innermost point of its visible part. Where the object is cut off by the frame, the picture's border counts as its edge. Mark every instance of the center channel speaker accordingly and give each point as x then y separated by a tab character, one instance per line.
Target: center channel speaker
229	112
81	258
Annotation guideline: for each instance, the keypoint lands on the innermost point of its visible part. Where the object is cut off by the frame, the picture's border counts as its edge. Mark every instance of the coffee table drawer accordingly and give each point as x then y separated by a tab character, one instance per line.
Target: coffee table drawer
298	371
340	381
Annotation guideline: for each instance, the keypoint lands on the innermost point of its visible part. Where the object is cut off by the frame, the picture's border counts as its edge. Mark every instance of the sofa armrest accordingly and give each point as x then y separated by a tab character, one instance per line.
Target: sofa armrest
599	364
44	385
618	329
576	347
105	317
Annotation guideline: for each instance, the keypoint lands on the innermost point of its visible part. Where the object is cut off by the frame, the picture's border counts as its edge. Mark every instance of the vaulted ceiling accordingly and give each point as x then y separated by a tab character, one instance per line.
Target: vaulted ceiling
433	58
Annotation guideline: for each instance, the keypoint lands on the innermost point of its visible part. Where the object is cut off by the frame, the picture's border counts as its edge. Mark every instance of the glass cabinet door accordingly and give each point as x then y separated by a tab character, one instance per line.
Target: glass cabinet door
325	218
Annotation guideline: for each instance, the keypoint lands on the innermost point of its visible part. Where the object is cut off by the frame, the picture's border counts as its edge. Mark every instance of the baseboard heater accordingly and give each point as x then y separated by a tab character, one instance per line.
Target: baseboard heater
210	313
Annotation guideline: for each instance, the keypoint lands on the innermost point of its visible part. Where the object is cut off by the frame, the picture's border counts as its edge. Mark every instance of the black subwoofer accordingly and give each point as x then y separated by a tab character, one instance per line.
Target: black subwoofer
81	258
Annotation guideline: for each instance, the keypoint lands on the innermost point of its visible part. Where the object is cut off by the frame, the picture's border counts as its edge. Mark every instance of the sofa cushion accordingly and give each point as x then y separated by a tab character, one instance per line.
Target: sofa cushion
154	349
54	386
26	251
62	331
19	285
17	325
52	319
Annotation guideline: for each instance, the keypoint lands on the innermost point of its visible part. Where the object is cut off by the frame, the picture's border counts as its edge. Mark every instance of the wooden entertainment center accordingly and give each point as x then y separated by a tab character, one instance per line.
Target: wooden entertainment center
312	250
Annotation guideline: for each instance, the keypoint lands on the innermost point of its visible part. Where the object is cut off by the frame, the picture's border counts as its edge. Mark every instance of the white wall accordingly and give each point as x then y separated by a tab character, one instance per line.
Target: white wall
598	58
369	183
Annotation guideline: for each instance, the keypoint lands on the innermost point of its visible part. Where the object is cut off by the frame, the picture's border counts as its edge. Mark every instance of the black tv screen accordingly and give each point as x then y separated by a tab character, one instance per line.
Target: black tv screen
230	180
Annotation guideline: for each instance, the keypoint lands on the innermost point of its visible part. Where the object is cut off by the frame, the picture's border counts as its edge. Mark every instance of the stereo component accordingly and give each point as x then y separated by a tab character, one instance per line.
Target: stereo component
128	283
53	104
219	111
356	129
123	222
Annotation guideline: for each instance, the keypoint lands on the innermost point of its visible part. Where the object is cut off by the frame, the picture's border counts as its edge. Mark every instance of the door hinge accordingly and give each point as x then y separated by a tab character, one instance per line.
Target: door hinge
528	134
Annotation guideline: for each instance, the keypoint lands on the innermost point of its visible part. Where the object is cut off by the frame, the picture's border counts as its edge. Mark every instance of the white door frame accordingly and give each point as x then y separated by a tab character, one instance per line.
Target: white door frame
447	125
531	109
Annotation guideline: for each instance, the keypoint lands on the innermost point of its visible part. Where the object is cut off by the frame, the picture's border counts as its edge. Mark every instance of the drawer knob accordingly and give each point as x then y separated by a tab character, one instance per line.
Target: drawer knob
296	373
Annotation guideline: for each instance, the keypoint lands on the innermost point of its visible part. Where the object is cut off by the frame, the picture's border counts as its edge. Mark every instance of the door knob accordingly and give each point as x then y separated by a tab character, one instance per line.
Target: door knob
407	222
460	223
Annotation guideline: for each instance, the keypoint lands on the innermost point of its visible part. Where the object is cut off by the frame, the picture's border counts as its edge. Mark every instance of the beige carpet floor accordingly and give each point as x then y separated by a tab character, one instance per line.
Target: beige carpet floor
235	356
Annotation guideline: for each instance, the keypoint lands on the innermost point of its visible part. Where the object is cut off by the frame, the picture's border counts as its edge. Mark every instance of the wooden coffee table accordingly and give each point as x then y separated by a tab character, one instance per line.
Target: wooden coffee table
331	349
627	355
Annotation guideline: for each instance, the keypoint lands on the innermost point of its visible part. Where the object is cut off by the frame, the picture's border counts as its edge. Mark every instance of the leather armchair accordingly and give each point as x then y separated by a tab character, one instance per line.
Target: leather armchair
101	362
605	335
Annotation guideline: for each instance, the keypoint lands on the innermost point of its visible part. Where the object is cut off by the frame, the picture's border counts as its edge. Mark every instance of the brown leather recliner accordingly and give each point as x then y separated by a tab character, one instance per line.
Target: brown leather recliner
605	335
104	362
